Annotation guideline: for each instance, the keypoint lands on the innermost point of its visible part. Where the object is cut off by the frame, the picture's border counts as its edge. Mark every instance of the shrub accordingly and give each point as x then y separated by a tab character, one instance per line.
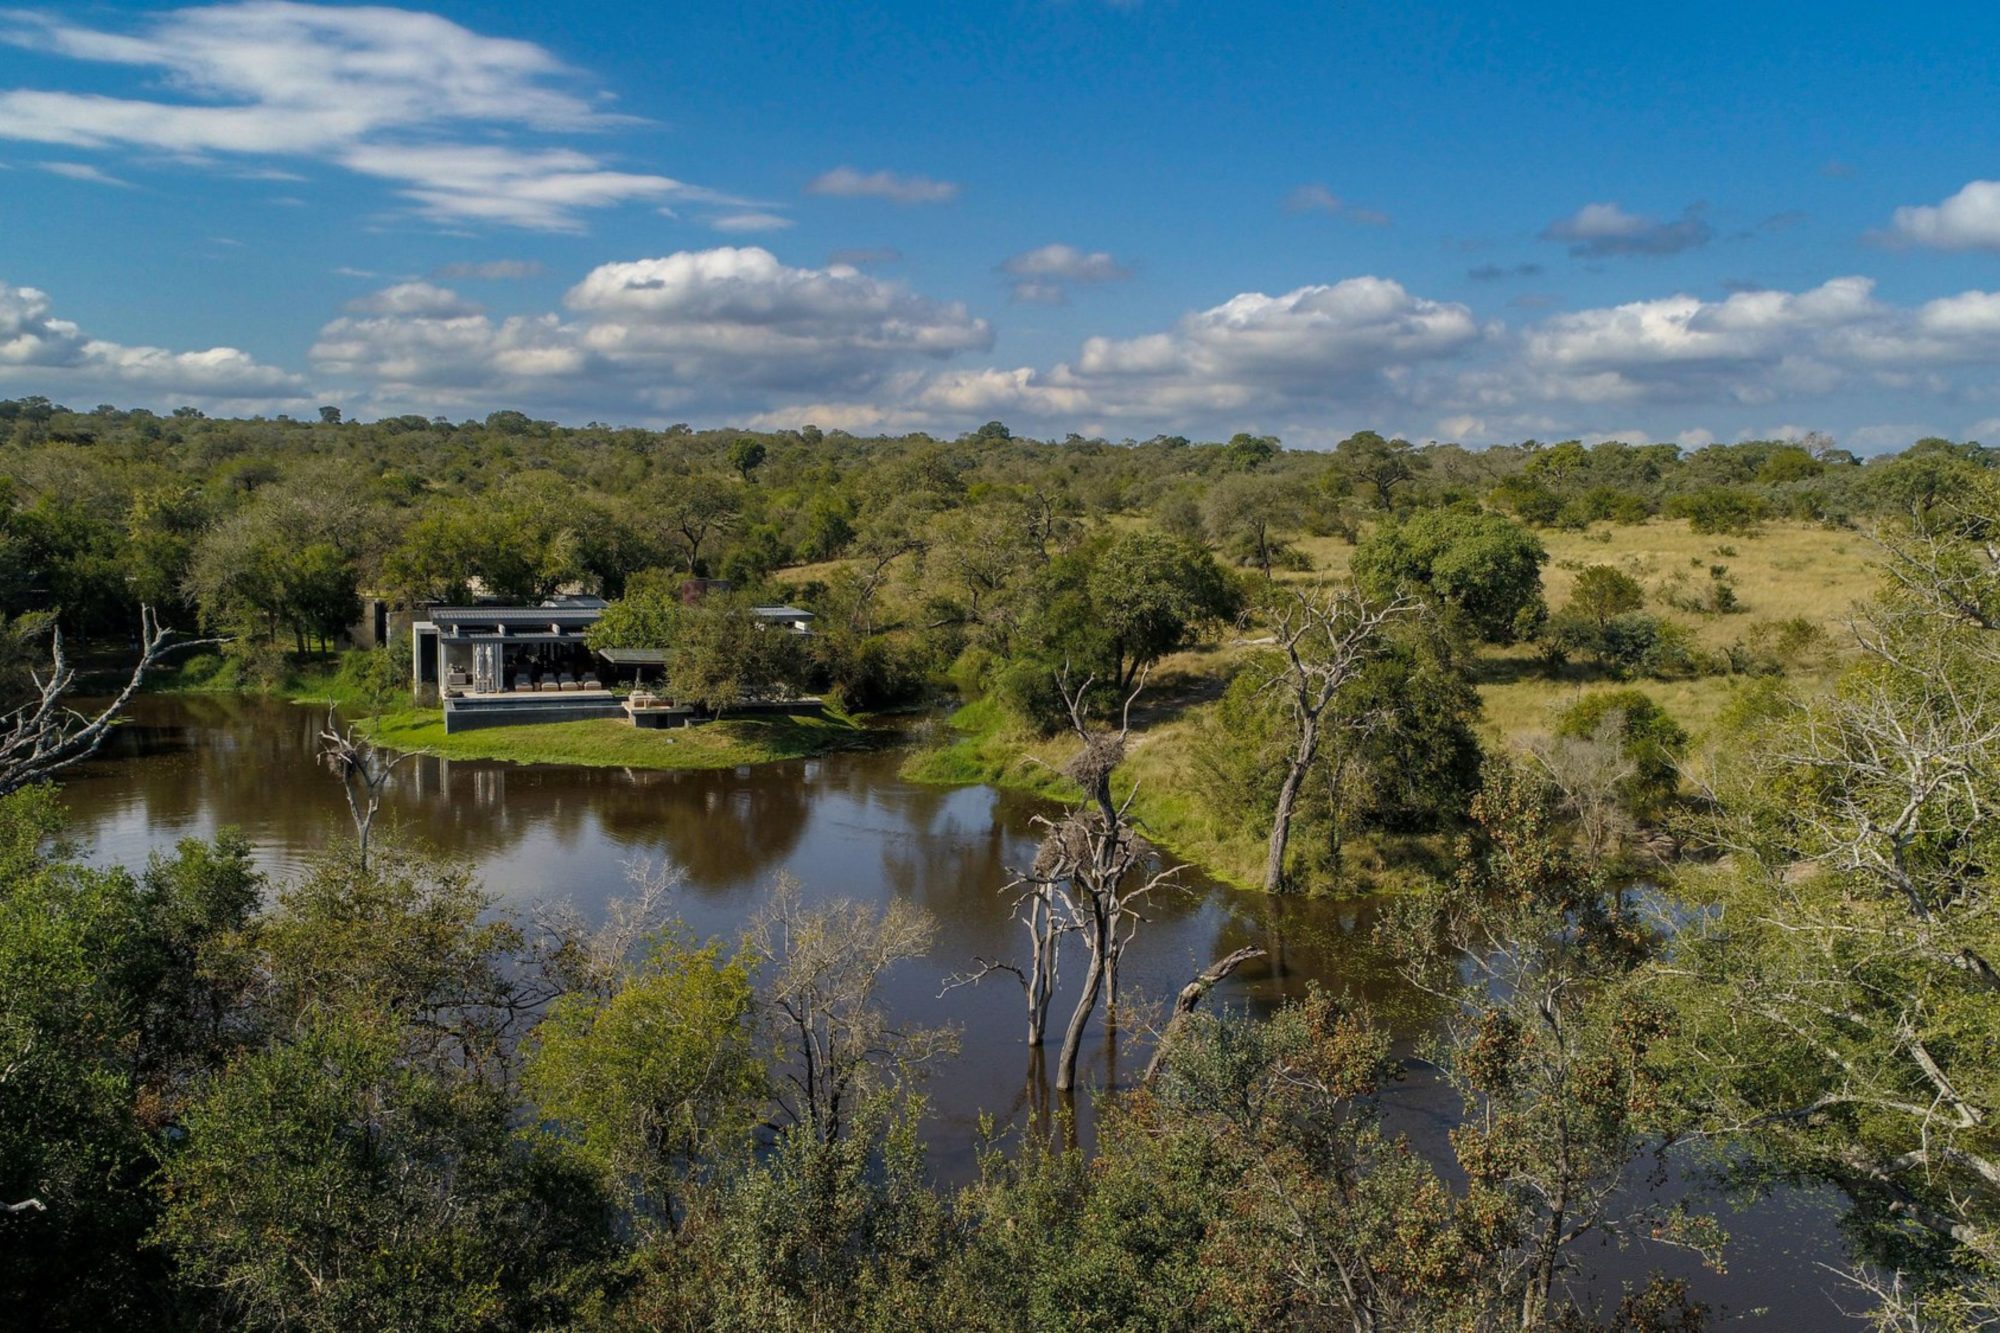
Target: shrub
1720	509
1603	591
1651	740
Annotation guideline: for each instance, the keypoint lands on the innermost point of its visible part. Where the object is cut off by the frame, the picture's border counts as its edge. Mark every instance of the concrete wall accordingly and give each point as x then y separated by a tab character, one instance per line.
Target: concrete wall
464	715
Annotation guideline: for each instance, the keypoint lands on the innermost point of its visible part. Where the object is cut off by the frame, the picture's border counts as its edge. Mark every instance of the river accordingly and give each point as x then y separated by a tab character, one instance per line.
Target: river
845	826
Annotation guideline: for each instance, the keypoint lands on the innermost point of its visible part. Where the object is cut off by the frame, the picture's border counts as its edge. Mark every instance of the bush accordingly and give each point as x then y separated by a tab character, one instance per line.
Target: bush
1651	740
260	664
1631	643
1604	591
1720	509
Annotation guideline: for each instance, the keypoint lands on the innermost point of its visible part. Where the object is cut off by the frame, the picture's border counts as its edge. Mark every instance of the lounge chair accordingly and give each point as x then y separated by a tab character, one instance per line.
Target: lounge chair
523	681
568	681
548	684
590	681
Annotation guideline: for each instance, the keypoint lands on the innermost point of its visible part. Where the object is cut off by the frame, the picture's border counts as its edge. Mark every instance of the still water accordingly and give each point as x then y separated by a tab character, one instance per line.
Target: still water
846	827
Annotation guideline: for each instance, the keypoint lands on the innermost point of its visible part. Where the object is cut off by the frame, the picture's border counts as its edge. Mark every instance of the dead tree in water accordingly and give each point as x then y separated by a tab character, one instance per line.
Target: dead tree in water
1087	880
364	775
1094	866
1036	908
44	736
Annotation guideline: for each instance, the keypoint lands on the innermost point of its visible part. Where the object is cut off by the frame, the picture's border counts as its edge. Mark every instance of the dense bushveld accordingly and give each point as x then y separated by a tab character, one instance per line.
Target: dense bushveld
984	565
366	1099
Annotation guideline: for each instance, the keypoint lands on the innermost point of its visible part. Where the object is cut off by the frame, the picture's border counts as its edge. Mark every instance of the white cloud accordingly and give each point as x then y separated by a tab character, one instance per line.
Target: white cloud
1065	263
750	222
1043	275
387	93
420	299
1363	343
83	171
41	353
1320	199
728	324
1969	220
1313	199
849	183
1597	231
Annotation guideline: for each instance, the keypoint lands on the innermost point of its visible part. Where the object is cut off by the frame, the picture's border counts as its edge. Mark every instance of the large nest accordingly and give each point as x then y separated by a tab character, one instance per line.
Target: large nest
1089	767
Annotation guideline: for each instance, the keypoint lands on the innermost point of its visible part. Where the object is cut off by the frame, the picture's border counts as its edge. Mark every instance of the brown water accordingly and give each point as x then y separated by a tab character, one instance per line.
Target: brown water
846	827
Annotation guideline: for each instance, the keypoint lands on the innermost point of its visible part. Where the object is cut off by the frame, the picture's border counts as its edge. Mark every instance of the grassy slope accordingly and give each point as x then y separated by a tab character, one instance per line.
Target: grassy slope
1786	570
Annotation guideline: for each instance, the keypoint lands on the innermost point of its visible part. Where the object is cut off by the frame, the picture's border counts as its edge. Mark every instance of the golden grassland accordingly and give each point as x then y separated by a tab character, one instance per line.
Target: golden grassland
1782	572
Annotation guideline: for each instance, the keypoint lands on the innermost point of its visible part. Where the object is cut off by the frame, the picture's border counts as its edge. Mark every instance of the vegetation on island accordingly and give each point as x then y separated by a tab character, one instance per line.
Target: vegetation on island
368	1097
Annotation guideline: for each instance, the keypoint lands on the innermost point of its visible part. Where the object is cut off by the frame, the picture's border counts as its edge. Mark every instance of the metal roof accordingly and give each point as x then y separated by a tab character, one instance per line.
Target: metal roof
580	616
634	656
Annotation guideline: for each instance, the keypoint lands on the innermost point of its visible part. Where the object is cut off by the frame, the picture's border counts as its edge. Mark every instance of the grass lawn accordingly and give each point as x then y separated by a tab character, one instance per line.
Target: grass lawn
612	743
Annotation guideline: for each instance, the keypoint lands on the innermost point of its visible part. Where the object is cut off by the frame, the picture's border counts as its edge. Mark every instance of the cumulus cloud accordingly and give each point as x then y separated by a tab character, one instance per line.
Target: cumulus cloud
1599	231
1762	346
1045	273
731	324
408	98
41	353
849	183
1969	220
421	299
1361	342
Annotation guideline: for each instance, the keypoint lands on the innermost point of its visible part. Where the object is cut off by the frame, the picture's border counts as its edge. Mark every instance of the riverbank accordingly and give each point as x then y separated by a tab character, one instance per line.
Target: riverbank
615	743
346	684
1170	807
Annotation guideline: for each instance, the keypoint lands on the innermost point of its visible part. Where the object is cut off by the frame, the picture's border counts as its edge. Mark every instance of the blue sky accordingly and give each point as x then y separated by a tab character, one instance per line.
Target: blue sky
1472	222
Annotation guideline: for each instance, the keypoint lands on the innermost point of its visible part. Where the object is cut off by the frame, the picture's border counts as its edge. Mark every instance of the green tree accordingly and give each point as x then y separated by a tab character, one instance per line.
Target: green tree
109	1009
1152	594
658	1077
1840	975
1378	466
746	456
1648	737
324	1183
1484	566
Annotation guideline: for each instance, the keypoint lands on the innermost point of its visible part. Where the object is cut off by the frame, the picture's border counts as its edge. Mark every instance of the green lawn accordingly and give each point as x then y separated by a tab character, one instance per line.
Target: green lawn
613	743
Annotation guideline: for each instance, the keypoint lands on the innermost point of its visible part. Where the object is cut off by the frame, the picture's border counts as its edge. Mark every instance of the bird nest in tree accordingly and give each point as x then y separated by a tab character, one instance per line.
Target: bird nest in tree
1102	751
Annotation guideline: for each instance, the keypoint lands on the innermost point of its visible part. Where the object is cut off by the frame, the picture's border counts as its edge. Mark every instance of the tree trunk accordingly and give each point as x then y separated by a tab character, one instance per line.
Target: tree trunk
1093	982
1288	798
1190	996
1041	969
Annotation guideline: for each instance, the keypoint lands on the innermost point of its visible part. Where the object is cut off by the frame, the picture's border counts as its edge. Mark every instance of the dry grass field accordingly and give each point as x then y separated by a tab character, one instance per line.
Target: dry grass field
1782	572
